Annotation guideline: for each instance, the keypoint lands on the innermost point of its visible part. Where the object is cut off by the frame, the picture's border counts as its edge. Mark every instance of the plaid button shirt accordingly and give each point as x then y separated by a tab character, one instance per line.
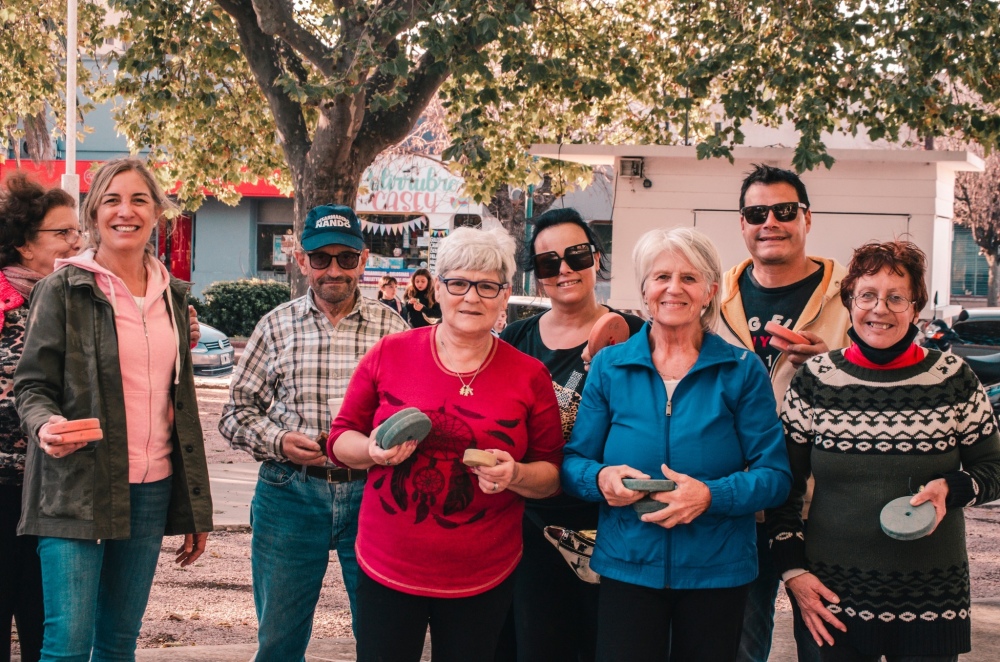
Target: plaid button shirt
294	362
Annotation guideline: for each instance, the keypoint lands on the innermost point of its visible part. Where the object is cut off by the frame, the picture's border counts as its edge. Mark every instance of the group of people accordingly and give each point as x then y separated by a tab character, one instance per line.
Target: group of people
781	454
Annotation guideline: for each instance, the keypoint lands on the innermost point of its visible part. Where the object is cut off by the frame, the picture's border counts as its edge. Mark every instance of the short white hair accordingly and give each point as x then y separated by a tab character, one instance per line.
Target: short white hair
471	249
693	246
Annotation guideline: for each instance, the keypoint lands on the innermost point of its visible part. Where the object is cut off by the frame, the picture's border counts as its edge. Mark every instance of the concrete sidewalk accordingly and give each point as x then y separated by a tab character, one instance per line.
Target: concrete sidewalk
985	644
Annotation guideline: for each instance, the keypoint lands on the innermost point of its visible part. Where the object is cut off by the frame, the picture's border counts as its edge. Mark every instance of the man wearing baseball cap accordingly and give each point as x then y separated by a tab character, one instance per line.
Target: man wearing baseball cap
295	368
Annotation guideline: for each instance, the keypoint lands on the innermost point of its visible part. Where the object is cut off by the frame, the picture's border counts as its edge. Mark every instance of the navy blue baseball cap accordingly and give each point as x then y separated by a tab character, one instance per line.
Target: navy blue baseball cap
332	224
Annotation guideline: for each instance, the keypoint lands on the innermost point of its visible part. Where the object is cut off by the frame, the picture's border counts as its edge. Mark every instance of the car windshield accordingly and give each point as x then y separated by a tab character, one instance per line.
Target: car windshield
979	332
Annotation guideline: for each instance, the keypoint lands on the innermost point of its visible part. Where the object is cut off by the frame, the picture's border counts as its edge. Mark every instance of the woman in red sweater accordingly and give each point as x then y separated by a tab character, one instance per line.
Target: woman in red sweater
438	541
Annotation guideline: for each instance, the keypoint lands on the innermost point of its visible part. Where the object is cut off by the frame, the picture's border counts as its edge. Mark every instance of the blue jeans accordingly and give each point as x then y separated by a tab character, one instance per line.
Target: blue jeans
95	592
296	521
758	619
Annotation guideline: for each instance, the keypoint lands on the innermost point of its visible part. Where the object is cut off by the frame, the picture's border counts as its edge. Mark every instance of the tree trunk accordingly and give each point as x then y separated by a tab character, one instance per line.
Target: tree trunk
993	284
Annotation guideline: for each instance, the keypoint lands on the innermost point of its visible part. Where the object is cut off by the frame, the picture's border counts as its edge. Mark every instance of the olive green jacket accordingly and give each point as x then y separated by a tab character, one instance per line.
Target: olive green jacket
70	367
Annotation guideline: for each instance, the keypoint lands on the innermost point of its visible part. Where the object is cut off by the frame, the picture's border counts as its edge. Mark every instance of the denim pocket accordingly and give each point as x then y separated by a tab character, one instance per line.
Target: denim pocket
276	473
68	485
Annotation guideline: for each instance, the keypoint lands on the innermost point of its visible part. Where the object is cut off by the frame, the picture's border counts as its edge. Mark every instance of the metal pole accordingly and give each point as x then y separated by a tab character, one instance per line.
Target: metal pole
71	181
529	210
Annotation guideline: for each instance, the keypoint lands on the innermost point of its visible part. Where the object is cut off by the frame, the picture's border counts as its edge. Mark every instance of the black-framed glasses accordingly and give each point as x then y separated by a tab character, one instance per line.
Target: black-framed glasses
70	235
896	303
577	258
487	289
783	211
345	260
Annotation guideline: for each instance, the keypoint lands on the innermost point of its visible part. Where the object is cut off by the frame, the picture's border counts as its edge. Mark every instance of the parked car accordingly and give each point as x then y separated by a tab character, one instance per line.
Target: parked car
521	307
978	330
213	355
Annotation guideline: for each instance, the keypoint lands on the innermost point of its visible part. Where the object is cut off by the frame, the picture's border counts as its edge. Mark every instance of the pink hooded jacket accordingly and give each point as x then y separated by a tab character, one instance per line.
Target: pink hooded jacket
149	362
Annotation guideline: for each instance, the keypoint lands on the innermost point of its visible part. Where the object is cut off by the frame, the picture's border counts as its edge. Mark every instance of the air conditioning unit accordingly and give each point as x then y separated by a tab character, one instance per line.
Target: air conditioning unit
630	166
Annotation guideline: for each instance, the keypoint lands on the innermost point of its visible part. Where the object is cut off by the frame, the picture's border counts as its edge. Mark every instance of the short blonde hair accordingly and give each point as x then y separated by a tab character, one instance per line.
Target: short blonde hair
100	184
477	250
693	246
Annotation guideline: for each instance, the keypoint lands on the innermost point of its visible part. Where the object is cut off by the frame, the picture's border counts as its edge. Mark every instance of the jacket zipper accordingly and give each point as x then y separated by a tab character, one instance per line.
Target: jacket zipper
149	390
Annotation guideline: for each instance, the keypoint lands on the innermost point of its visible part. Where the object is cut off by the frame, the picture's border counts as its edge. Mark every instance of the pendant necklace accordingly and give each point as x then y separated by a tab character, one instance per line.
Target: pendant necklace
466	389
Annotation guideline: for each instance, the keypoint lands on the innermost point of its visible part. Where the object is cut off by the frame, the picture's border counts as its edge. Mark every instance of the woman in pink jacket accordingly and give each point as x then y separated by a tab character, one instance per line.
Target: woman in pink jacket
107	342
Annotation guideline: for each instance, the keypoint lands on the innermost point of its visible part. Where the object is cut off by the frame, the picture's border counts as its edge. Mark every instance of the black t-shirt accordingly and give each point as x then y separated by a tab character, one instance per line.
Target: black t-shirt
780	304
568	377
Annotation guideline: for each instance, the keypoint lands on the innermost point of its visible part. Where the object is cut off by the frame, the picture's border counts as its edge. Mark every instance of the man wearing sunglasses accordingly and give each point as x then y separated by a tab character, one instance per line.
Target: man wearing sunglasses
779	283
300	357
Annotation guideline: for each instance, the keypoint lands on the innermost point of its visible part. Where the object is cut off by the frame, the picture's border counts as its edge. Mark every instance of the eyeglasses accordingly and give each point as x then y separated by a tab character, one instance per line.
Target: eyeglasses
345	260
869	300
783	211
70	235
487	289
577	257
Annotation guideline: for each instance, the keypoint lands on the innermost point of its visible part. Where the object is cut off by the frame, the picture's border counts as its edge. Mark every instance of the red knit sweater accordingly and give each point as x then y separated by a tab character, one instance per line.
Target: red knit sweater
425	526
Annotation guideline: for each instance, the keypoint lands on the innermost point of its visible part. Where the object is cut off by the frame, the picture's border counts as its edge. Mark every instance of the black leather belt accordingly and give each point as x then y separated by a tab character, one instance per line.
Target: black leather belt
332	474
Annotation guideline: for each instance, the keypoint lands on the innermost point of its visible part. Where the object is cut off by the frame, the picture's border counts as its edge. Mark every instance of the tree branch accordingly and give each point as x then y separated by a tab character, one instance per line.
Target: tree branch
261	53
275	18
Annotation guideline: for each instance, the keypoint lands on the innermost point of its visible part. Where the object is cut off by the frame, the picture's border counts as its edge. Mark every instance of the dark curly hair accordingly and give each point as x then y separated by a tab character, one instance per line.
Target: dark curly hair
904	258
23	206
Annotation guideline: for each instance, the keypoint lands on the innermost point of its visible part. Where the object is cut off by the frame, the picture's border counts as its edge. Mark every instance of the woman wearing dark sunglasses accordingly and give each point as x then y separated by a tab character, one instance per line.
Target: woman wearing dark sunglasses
437	540
554	616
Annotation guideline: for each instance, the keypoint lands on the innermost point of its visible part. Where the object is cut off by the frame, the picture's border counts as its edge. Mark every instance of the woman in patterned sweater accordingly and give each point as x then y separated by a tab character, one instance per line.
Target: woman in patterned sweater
871	423
36	227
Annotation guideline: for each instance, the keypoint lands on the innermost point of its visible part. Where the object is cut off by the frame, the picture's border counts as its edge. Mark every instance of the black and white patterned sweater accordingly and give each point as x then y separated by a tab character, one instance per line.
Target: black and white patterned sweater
870	436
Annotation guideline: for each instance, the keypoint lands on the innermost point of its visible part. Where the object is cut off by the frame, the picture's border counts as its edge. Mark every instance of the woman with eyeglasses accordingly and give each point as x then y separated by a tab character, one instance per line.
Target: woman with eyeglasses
882	420
422	308
107	348
438	541
37	227
676	402
554	615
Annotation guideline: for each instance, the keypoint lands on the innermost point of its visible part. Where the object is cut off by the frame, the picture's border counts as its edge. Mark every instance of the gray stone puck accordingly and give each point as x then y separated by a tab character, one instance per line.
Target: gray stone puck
647	505
902	521
405	425
649	484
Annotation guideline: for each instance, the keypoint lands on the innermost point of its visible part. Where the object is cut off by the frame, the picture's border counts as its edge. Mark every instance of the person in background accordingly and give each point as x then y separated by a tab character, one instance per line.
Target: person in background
37	227
438	541
422	308
108	339
387	294
872	423
554	615
676	401
779	283
300	357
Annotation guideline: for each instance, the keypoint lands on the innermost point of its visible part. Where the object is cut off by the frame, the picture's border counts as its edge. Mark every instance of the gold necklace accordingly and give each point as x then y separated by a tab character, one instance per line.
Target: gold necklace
466	389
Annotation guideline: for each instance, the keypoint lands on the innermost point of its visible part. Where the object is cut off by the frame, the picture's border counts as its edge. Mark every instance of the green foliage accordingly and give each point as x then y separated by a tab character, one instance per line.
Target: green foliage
235	306
33	61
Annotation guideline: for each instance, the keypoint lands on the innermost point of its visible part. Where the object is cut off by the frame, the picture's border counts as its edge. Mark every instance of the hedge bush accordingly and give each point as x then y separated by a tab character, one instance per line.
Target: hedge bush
235	306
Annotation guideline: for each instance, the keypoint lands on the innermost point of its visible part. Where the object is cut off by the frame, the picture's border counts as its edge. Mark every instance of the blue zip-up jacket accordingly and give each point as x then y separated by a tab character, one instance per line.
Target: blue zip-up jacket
722	430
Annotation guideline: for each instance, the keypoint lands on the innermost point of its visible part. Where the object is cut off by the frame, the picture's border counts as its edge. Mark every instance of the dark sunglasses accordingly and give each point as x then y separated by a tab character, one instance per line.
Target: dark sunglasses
783	211
345	260
577	257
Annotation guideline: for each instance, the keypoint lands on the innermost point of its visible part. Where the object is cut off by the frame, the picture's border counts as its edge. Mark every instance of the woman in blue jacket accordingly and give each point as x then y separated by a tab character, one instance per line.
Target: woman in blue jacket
678	400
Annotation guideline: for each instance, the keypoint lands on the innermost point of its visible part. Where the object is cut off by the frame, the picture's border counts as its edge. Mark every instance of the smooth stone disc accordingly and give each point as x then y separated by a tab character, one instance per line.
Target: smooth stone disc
474	457
902	521
610	329
649	484
73	426
647	505
408	424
